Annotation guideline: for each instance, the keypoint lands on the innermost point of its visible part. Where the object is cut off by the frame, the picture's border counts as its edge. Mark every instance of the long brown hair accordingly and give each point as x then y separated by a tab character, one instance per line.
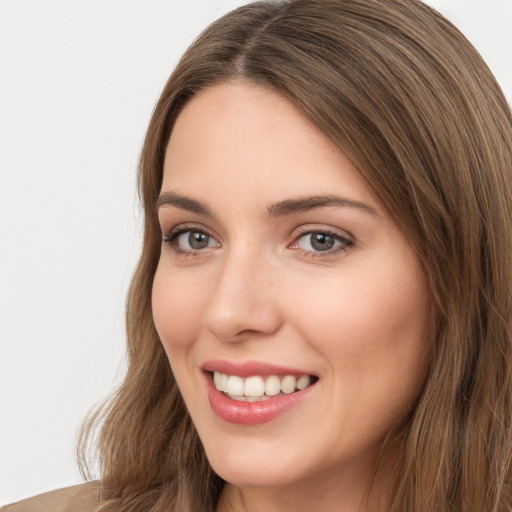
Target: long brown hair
411	103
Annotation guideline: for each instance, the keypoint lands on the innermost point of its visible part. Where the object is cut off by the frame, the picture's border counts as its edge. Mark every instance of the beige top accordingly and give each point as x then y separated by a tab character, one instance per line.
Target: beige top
78	498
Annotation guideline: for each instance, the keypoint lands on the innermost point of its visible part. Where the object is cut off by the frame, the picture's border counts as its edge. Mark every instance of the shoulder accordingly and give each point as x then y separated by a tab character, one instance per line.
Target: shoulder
78	498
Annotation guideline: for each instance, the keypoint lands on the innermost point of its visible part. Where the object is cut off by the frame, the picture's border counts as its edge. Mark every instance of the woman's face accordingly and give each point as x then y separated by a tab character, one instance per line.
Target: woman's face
283	282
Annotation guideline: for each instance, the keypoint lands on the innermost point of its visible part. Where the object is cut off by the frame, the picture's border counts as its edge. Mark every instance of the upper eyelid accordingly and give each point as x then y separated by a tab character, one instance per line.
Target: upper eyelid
319	228
188	226
170	237
336	236
296	232
294	235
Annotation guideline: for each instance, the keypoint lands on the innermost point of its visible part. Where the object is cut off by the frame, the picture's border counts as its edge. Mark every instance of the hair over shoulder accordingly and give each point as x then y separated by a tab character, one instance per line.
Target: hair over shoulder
414	107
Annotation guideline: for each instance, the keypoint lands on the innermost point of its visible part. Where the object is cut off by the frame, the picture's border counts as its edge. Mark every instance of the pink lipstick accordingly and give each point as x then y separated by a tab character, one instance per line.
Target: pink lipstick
251	393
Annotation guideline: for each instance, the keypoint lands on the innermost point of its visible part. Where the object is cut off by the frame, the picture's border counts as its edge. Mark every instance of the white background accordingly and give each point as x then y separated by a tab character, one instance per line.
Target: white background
78	81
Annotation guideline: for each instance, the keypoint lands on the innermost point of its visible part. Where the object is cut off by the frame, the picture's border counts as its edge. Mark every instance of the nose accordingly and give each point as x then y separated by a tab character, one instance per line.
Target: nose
244	302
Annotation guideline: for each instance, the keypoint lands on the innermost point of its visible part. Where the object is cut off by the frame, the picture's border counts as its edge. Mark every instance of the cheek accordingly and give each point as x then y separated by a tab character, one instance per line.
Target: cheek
176	305
372	326
176	309
375	338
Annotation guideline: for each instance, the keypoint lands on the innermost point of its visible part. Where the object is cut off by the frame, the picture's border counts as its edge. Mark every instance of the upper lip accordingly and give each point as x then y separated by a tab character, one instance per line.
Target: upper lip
249	368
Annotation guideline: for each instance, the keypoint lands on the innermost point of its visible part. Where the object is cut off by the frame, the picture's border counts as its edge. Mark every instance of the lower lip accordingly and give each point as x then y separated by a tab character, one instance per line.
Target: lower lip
252	413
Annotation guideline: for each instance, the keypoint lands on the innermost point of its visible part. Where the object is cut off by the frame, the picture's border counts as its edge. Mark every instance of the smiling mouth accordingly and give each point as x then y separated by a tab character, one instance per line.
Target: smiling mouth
257	388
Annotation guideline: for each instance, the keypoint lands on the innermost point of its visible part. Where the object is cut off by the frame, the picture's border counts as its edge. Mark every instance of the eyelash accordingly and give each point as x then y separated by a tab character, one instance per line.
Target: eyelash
344	243
173	236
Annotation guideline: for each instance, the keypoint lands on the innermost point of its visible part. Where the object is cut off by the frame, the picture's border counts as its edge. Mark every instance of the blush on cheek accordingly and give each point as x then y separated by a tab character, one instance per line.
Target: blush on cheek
366	321
174	314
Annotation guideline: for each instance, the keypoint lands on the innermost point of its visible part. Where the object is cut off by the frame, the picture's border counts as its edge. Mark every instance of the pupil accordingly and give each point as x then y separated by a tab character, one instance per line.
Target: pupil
322	241
198	240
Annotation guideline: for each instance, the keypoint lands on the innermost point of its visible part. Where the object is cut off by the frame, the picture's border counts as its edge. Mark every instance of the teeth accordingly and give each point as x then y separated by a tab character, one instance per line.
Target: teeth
303	382
217	377
224	382
250	398
255	387
272	385
235	385
288	384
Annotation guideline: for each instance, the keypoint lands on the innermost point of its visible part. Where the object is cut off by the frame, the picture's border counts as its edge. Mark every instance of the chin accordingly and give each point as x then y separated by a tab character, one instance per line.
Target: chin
249	475
253	466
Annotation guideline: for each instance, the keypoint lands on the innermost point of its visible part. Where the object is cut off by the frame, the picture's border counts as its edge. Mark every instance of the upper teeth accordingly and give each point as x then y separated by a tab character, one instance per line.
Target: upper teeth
256	386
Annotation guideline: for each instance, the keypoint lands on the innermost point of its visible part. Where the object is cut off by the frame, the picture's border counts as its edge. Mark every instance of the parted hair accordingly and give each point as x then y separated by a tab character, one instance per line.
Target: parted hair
414	107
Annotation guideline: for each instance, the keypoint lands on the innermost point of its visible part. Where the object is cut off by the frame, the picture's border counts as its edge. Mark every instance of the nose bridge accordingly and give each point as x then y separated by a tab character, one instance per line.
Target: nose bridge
241	301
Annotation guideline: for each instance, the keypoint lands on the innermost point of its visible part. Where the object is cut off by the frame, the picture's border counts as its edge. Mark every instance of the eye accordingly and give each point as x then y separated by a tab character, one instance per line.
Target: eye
193	240
321	242
189	240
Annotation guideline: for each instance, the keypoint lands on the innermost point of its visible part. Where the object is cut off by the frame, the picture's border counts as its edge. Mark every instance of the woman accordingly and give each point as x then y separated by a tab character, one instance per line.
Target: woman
321	312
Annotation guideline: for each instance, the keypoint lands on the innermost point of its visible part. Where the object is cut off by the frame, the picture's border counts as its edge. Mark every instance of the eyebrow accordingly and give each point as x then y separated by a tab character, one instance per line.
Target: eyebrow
182	202
302	204
280	209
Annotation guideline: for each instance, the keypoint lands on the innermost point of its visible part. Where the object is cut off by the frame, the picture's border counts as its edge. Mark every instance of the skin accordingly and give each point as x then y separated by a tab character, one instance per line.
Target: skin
356	315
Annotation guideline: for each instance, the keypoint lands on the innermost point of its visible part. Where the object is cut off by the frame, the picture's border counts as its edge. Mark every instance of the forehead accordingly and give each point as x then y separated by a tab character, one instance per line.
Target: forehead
241	138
